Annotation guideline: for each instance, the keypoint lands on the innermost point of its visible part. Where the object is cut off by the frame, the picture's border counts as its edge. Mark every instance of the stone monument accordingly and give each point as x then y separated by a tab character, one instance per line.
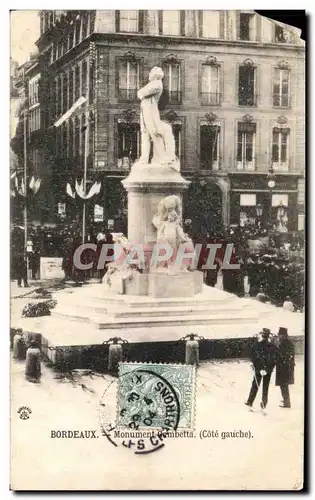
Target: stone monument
155	205
160	301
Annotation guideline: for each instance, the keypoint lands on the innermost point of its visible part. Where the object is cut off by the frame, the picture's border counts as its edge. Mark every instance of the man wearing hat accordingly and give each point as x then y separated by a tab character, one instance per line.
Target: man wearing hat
285	366
263	359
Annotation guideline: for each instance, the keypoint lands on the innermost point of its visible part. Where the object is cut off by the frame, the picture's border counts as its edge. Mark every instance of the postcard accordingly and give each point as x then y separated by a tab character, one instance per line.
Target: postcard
157	251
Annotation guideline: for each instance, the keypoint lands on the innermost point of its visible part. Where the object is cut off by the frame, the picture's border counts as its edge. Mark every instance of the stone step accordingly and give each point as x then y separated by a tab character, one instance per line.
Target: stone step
89	308
147	307
138	302
119	323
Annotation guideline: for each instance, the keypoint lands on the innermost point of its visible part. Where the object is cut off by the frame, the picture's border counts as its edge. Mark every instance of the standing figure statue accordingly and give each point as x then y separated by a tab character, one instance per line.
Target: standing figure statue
152	127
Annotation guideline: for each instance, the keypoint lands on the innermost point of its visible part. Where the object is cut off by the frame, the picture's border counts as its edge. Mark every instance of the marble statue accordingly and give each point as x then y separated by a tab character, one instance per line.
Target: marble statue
152	127
169	229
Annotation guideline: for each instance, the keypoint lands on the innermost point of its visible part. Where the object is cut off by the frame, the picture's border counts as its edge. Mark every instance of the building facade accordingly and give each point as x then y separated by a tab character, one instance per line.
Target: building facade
234	94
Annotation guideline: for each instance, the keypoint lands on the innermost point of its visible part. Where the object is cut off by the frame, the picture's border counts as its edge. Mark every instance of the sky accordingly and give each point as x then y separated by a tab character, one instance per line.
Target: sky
24	33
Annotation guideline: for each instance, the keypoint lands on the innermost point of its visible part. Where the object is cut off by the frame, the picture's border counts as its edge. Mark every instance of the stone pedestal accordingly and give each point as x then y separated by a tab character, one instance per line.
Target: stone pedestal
147	185
184	284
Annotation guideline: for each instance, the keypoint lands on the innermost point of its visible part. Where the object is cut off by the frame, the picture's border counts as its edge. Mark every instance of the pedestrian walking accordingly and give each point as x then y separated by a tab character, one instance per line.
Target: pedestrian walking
285	366
263	357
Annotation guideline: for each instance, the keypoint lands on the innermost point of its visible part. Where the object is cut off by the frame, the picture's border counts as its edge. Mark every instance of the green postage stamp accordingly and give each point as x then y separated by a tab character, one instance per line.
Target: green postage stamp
158	396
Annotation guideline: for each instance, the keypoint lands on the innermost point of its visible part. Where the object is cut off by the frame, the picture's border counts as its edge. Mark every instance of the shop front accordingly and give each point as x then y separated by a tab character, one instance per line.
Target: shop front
254	203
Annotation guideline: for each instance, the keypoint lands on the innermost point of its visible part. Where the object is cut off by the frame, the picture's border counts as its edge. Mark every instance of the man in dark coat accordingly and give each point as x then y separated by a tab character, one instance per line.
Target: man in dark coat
285	366
264	360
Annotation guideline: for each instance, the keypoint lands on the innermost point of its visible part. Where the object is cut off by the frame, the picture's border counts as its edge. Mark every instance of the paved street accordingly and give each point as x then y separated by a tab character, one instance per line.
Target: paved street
272	458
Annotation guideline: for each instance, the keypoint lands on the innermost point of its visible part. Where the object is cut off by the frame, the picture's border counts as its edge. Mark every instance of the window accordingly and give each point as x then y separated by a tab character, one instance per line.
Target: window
171	22
70	39
177	132
91	83
209	146
128	80
64	145
247	200
91	139
33	92
77	88
128	143
246	86
34	120
84	79
70	138
246	26
71	96
85	21
51	19
280	142
60	49
128	21
65	104
211	24
246	138
54	52
281	88
210	85
172	81
42	24
76	137
78	31
57	97
280	200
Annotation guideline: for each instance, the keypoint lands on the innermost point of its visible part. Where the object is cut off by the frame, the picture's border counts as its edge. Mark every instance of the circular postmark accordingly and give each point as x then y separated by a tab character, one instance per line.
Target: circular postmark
146	409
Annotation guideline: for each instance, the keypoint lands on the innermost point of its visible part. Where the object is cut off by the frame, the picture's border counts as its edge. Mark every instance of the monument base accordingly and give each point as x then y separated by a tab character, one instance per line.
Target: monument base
85	317
183	284
158	284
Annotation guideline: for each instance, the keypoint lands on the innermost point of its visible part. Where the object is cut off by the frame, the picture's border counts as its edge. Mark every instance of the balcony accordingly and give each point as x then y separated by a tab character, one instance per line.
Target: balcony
245	99
246	166
127	94
281	100
210	98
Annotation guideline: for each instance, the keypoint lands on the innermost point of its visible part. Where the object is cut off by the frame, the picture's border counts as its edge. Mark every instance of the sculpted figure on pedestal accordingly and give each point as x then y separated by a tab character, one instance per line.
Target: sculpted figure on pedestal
152	127
169	230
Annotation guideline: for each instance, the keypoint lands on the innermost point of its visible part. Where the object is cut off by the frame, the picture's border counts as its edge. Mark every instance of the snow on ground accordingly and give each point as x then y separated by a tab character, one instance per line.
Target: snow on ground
271	459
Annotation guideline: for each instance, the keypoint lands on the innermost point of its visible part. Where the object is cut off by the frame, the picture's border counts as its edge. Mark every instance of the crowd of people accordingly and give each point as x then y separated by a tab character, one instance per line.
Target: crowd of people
273	270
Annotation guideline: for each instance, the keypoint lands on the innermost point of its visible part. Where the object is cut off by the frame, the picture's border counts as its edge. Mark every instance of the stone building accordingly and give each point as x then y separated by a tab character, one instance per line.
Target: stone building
234	94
